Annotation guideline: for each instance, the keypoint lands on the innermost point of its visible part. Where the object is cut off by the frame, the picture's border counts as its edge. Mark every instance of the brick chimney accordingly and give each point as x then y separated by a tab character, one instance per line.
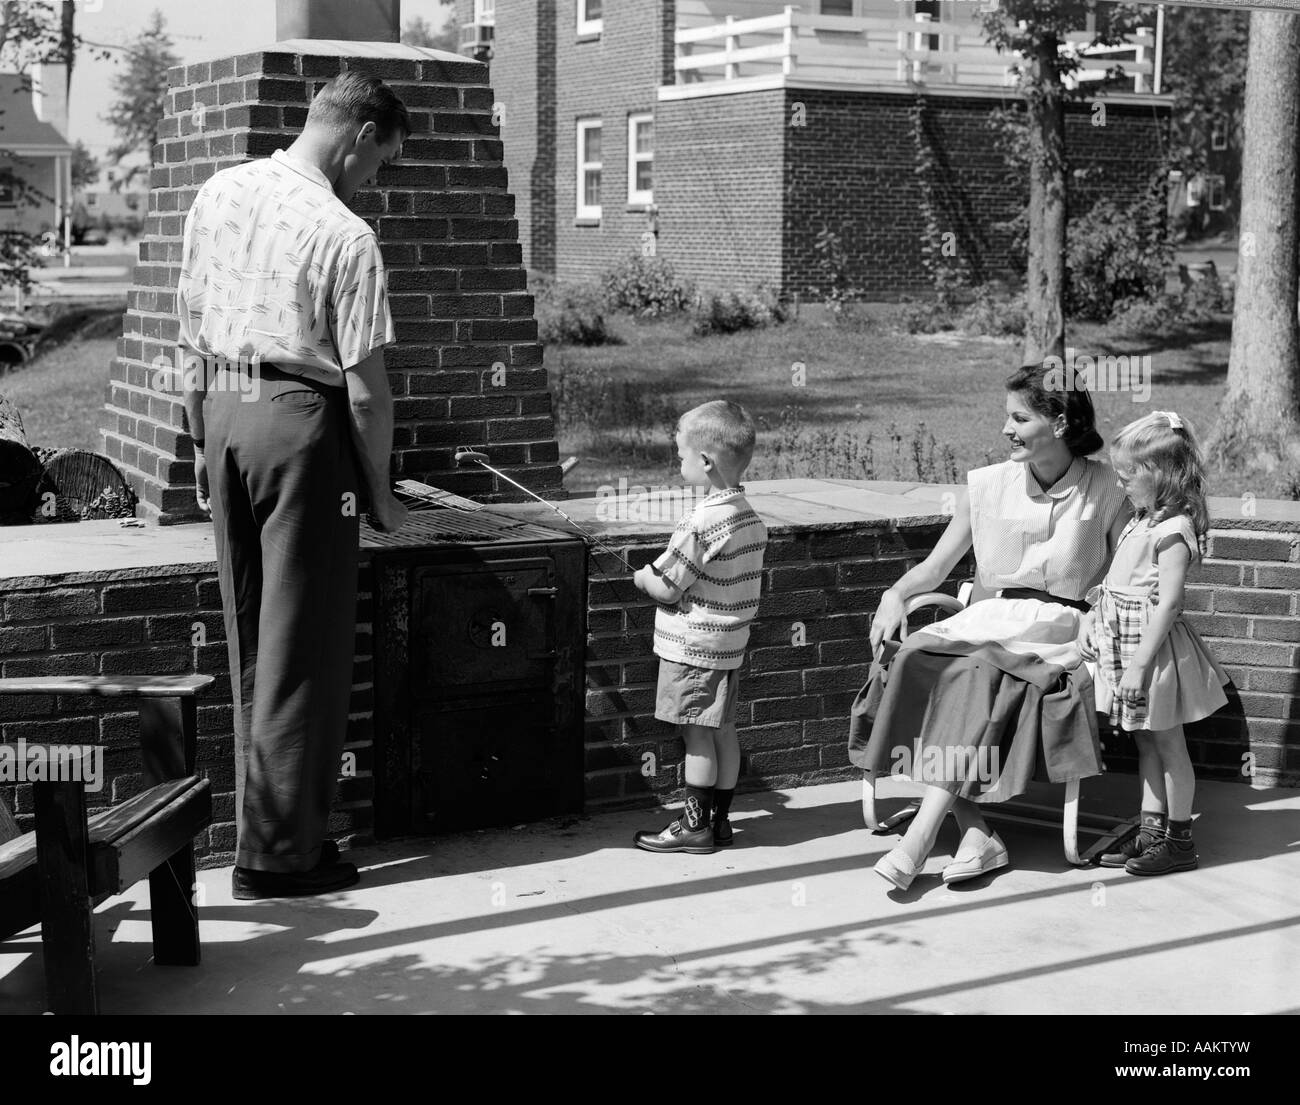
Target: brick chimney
50	95
466	369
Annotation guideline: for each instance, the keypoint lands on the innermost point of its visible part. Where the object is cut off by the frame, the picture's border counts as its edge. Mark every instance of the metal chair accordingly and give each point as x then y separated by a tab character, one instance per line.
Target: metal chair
1110	830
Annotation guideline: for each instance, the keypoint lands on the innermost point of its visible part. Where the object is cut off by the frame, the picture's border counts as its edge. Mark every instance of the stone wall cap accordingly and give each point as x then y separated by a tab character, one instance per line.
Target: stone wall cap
41	555
80	552
342	48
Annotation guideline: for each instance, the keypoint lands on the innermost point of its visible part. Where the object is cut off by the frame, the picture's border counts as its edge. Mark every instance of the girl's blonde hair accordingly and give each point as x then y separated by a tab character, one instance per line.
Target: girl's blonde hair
1165	445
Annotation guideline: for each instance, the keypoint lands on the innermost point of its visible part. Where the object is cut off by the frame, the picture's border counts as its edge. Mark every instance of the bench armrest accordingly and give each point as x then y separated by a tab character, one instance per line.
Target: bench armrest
109	686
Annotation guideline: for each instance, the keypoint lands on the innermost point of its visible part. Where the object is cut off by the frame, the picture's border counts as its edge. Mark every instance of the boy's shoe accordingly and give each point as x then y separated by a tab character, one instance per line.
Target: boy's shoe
676	837
1134	846
723	836
1164	856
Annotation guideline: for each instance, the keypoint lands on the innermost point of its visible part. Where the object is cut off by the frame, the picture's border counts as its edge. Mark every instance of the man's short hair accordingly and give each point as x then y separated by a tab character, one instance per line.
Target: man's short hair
350	99
720	427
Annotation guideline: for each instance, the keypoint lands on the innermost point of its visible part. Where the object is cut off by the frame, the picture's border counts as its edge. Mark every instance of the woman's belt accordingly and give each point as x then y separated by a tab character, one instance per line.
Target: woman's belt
1043	596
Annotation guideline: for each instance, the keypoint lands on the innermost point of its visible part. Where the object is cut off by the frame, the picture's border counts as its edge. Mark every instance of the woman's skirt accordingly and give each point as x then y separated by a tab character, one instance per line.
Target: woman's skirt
982	703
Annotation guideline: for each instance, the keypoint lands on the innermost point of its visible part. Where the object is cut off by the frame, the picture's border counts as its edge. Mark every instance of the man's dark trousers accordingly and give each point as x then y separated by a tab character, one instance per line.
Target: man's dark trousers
283	483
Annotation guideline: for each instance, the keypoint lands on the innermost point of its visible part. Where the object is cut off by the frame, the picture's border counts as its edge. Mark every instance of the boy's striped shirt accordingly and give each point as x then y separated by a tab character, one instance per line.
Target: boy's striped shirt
715	558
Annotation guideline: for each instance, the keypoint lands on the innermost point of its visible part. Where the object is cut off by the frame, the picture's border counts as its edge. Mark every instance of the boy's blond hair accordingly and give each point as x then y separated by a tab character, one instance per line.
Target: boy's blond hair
720	427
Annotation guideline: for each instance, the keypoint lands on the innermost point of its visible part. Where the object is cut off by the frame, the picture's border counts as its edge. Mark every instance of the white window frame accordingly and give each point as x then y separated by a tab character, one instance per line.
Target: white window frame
855	13
589	26
1216	194
485	13
643	197
586	210
1219	134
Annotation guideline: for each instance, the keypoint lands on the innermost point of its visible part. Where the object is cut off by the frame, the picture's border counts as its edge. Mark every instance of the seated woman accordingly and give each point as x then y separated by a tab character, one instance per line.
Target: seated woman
978	702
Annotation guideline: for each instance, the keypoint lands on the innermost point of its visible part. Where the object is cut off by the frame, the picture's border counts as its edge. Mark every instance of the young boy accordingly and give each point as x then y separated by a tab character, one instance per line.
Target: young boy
707	583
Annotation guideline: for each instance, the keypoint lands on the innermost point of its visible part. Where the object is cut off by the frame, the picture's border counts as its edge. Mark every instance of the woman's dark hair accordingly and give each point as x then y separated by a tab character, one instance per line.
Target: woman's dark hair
351	99
1052	390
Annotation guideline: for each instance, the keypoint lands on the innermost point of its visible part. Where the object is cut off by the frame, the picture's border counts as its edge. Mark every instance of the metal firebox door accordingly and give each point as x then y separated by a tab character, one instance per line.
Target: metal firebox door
480	717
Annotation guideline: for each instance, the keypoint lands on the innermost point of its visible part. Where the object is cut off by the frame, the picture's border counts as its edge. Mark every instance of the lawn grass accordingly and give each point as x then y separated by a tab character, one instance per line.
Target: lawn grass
61	393
858	383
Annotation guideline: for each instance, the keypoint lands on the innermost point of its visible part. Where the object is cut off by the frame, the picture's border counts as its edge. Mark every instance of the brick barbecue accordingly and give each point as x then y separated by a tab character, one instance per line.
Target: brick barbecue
466	369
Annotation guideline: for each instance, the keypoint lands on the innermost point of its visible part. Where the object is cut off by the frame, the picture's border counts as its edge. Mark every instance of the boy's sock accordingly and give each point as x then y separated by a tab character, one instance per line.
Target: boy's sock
1180	830
699	808
722	801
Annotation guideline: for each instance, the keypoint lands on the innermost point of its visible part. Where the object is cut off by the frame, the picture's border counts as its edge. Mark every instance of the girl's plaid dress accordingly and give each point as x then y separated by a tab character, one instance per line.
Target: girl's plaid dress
1185	682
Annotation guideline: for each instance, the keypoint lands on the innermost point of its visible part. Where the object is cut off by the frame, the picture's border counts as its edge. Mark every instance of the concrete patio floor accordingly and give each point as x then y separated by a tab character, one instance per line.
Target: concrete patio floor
566	917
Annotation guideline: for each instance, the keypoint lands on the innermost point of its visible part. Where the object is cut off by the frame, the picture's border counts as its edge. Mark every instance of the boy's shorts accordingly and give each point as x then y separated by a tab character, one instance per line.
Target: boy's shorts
696	696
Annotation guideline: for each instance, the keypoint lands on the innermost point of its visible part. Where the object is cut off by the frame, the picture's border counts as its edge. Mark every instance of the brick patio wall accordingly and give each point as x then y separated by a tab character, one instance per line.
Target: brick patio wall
806	662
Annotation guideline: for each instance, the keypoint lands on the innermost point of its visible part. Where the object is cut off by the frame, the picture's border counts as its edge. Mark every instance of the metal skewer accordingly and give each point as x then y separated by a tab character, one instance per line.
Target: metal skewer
471	456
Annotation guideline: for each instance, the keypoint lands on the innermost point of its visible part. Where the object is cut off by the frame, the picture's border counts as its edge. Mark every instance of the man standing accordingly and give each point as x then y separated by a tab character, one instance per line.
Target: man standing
282	302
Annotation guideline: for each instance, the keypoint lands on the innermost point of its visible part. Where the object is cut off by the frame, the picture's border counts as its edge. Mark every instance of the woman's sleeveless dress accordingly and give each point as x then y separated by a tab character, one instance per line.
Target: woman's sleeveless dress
996	695
1186	682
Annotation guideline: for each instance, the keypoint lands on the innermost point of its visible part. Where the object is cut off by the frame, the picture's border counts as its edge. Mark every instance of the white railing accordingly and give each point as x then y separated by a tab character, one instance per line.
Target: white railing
843	50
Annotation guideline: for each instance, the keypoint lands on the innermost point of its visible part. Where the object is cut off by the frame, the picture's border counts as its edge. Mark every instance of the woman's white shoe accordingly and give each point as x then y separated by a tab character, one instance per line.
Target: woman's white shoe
972	861
897	867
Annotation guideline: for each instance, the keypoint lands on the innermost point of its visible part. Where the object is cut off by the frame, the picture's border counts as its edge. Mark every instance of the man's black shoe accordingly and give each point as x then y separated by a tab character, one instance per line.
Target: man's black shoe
248	885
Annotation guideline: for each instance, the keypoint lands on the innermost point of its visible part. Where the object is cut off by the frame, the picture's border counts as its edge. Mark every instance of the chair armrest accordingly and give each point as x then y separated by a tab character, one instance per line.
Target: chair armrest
929	598
933	598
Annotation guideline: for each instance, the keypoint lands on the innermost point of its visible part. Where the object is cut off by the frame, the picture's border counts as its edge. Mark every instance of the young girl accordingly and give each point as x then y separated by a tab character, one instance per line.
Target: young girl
1154	673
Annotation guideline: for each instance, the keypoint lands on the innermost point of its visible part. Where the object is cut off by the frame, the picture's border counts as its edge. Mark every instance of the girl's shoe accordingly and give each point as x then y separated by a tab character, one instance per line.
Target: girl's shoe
1153	828
1163	857
897	867
723	836
676	837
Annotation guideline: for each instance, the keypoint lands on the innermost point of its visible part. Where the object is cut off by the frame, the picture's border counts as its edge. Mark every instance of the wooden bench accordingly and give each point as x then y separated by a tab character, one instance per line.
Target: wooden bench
1109	831
59	873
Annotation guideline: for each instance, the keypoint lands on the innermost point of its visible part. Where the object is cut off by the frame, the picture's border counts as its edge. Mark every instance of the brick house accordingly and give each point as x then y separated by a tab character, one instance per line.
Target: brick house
35	155
725	134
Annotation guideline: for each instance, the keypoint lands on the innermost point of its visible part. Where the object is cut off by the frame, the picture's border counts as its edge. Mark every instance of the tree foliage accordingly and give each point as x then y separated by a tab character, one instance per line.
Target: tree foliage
1036	36
419	32
31	32
85	166
1205	71
141	90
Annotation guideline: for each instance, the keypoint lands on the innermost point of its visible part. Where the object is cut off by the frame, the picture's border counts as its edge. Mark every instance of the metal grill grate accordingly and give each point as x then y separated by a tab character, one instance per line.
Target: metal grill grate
449	525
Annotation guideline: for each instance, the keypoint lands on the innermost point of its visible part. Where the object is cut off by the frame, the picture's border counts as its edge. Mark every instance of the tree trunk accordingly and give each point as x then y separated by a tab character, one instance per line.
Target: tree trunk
1045	280
68	42
20	469
1259	425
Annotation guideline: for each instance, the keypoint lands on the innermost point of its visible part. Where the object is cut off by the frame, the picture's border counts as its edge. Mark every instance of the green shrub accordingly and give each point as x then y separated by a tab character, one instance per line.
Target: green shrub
1113	255
569	314
1171	313
1203	299
646	287
992	315
925	316
797	451
730	312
